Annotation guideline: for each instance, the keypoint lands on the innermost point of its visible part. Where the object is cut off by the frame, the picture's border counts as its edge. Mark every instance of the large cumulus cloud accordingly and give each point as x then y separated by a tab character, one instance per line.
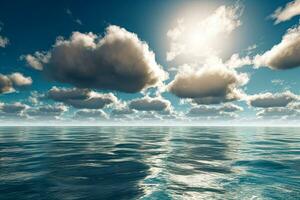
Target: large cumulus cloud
267	100
118	61
209	84
285	55
81	98
9	82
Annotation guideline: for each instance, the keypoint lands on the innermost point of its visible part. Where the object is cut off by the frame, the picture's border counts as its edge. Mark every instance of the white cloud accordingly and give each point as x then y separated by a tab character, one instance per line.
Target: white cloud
78	21
64	94
202	37
226	110
37	60
150	104
278	112
266	100
19	80
9	82
229	107
203	111
70	13
118	61
81	98
6	85
148	116
294	105
15	108
291	10
146	108
3	41
47	111
211	84
90	114
122	112
250	48
277	82
94	102
236	61
285	55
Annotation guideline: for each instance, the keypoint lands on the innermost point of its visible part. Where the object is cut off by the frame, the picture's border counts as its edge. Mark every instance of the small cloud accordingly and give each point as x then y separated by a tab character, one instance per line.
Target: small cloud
291	10
70	13
15	108
19	80
4	41
236	61
37	60
81	98
46	111
90	115
122	112
267	100
278	112
277	82
78	21
223	111
150	104
250	49
9	82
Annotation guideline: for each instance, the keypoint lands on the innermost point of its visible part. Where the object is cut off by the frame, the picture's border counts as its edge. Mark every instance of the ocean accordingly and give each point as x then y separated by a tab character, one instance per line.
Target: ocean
70	163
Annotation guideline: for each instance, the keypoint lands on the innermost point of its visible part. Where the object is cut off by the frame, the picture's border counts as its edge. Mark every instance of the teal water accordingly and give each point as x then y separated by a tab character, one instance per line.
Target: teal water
149	163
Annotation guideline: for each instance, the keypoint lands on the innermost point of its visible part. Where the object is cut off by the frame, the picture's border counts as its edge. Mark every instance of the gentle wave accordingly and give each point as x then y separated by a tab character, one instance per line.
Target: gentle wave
149	163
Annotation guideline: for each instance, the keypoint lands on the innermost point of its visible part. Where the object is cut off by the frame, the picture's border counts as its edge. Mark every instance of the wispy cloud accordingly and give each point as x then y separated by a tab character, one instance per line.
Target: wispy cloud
4	41
76	20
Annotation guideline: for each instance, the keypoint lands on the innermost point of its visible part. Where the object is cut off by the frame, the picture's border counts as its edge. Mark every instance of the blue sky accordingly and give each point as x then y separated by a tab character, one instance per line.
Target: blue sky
204	34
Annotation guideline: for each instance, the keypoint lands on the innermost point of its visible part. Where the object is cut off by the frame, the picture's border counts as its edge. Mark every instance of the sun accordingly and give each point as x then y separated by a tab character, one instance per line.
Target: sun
198	37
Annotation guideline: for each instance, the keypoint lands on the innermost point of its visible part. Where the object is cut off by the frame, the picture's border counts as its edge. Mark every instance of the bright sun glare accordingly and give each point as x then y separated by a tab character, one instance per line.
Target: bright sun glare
199	37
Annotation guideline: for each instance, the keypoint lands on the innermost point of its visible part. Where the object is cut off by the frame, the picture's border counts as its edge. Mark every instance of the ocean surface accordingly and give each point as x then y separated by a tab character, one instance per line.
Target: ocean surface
68	163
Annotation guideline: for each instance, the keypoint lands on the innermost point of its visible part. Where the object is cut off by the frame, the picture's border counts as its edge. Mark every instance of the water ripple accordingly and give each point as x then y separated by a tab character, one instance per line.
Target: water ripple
149	163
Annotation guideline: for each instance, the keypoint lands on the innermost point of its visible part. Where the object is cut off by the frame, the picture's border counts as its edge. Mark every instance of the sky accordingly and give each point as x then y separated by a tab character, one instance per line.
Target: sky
135	62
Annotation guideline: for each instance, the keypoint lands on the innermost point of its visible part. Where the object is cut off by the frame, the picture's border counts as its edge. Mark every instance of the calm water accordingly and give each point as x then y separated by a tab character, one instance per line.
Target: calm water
149	163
